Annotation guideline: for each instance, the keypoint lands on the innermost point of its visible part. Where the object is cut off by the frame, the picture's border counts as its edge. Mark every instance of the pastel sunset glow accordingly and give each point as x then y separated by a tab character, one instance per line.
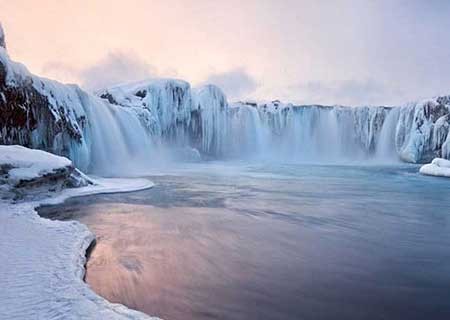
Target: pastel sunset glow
335	52
225	159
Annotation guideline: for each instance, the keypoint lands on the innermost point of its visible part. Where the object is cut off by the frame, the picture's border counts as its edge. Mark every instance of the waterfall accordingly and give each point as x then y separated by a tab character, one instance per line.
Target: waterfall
117	140
248	135
212	105
386	149
130	127
302	133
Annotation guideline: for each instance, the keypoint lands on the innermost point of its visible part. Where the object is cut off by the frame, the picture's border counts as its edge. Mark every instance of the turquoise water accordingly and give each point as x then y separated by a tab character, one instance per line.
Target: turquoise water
239	241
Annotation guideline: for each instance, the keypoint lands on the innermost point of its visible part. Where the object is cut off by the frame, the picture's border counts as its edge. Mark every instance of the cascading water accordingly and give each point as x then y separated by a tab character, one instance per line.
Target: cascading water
386	149
128	126
302	133
124	138
212	105
117	140
249	137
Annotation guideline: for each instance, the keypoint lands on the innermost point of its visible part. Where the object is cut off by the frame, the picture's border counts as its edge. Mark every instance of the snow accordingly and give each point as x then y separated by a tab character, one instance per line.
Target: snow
161	103
423	129
42	261
438	167
28	164
125	126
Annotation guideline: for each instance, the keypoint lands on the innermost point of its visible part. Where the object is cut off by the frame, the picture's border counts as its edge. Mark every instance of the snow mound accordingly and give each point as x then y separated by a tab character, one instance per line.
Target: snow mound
29	164
438	167
27	173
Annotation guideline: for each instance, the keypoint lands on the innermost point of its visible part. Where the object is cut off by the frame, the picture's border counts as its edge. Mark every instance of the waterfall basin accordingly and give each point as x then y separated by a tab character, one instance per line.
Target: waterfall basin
273	241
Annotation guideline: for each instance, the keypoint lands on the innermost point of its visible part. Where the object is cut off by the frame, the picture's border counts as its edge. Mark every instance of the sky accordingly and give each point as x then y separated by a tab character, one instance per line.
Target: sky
351	52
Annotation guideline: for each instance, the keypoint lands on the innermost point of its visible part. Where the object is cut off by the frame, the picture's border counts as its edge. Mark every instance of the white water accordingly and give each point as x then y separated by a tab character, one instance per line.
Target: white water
158	120
119	142
307	134
386	150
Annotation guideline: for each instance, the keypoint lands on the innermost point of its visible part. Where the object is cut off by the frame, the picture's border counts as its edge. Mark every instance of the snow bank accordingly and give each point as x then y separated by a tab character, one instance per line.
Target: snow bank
28	164
438	167
27	173
42	261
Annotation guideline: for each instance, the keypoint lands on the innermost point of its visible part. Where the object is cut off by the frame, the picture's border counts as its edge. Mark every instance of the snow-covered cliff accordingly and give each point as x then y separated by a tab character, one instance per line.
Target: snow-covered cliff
132	125
422	131
63	119
40	113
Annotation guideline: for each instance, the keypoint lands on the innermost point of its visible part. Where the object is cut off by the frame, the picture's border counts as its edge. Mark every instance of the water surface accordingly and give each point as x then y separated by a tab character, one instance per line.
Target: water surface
274	242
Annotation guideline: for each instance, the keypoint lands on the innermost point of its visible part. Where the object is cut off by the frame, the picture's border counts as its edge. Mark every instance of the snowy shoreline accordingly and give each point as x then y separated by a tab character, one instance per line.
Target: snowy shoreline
43	261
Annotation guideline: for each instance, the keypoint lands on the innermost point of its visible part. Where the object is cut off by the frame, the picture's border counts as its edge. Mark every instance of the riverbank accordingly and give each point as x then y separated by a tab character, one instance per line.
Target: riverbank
43	261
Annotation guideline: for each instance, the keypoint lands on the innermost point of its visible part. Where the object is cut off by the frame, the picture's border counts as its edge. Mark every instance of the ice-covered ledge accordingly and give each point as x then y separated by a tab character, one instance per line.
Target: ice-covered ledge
438	167
42	261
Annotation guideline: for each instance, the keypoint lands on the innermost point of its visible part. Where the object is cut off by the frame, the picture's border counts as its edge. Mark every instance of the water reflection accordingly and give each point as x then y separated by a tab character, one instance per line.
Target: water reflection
274	243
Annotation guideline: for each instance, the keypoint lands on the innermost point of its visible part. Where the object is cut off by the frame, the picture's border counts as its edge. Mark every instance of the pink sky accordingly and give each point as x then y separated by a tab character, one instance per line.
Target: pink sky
349	52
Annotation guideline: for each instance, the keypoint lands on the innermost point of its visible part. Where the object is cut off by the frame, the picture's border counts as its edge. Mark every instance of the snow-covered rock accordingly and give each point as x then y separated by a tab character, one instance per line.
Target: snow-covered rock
438	167
25	172
23	164
40	113
65	120
162	103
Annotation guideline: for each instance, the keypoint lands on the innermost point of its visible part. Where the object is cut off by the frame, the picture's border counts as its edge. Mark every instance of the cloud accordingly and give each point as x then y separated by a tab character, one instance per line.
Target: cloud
236	83
116	67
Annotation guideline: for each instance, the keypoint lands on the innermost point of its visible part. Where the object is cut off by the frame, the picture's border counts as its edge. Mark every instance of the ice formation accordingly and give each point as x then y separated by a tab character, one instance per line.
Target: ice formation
134	125
438	167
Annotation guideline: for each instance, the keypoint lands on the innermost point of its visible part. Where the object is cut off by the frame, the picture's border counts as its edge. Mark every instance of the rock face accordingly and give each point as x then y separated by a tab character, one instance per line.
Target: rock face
39	113
134	125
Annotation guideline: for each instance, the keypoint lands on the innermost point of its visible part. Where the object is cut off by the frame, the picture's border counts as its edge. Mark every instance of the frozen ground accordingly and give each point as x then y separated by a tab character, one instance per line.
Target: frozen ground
42	261
438	167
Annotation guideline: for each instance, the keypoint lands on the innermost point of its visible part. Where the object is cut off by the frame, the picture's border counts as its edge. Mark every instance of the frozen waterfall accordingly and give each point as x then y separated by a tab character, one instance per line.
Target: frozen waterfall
129	128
